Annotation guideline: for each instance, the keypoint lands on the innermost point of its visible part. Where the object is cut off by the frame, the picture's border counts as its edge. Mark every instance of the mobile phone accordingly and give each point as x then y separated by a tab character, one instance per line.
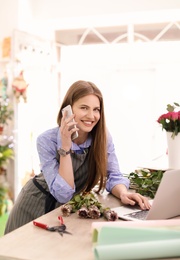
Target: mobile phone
68	114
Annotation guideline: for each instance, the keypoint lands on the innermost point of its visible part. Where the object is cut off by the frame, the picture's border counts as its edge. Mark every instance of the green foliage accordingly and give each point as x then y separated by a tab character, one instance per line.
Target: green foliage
85	199
6	153
171	108
6	113
145	181
3	192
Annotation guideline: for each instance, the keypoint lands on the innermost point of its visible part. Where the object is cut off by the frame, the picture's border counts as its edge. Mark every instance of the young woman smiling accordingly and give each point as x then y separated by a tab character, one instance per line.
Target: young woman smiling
69	167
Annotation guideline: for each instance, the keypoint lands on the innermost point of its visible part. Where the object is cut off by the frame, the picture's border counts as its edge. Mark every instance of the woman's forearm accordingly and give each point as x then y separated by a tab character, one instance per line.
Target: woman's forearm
66	169
118	190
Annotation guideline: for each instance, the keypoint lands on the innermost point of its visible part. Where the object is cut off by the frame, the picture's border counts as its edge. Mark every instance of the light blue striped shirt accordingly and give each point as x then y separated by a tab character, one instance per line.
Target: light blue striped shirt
47	145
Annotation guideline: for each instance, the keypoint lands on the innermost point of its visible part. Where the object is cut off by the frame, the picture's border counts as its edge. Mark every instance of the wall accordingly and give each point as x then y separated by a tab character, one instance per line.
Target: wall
138	81
8	17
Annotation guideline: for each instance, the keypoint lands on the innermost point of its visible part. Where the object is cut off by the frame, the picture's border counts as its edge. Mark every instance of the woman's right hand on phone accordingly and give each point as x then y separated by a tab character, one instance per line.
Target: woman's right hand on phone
68	127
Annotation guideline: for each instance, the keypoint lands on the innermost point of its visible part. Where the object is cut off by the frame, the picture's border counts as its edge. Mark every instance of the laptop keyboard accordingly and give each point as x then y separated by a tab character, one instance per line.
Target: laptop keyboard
139	214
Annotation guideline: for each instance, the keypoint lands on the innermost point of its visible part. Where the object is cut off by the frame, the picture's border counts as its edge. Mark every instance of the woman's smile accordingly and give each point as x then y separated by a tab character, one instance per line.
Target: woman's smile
87	123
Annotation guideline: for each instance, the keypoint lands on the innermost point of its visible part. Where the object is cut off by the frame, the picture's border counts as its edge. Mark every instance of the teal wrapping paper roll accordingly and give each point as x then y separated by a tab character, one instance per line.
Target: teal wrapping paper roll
116	243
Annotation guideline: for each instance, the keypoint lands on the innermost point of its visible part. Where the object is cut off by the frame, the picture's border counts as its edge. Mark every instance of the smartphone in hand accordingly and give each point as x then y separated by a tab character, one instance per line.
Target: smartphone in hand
68	114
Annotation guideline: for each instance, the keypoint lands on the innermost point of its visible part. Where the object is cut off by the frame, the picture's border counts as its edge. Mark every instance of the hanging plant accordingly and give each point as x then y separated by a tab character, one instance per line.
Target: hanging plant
86	205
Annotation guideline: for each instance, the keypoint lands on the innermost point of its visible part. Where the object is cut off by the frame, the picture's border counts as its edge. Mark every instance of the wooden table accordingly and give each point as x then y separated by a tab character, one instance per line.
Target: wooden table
30	242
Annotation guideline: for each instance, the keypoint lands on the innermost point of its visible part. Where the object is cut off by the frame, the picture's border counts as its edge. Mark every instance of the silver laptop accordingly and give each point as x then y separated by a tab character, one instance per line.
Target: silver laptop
165	205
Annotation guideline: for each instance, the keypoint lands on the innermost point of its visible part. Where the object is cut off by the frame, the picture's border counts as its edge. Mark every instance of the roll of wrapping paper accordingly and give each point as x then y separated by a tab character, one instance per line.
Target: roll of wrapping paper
116	243
167	223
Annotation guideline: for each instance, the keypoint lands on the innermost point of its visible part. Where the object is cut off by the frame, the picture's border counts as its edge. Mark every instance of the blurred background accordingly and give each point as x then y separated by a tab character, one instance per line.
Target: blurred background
129	49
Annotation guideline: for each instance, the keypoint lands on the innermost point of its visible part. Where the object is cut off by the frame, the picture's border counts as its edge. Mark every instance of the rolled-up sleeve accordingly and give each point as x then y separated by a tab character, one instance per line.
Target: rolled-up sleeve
47	147
114	175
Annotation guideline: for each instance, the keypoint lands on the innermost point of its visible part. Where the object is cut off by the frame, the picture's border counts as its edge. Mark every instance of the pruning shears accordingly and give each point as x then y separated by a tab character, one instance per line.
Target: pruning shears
60	229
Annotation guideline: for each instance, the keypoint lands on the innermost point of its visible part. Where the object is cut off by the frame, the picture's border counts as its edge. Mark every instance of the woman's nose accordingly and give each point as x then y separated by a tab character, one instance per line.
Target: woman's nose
90	114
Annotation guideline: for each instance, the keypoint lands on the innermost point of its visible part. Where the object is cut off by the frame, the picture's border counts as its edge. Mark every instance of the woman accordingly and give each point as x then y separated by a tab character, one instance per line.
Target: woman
71	166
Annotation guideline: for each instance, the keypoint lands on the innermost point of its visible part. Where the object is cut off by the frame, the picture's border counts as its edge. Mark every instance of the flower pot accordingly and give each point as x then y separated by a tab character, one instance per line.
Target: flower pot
173	151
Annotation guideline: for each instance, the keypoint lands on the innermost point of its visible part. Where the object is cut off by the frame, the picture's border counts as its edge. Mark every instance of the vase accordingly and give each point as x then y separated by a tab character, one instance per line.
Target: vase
173	151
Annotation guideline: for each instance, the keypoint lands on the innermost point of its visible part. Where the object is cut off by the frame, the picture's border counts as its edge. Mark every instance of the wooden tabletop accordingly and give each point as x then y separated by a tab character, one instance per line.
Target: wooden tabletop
30	242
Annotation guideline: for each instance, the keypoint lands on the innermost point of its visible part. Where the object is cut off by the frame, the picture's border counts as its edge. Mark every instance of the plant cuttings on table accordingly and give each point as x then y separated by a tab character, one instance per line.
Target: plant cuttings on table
87	206
145	181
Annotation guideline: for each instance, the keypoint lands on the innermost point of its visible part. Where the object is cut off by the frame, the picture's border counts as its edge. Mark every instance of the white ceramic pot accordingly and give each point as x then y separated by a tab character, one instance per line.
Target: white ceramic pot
173	151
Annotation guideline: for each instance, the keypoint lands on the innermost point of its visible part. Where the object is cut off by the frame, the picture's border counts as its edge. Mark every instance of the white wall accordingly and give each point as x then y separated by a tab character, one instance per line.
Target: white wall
8	17
138	81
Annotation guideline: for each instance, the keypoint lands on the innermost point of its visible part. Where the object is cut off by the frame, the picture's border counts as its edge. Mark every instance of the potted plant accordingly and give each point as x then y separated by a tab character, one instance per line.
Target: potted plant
170	122
6	113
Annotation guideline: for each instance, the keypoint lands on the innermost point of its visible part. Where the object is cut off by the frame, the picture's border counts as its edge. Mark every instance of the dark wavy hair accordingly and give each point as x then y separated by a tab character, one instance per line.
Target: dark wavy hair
97	158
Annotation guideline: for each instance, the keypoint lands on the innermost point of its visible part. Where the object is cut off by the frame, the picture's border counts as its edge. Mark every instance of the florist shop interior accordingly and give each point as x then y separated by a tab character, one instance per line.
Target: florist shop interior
134	60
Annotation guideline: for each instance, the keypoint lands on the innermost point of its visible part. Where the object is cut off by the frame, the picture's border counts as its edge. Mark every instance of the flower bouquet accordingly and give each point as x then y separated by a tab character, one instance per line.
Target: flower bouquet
171	123
87	206
171	120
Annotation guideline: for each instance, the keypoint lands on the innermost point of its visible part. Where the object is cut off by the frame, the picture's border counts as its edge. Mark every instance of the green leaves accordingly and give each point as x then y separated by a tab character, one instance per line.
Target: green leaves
6	113
171	108
6	153
86	199
3	192
145	181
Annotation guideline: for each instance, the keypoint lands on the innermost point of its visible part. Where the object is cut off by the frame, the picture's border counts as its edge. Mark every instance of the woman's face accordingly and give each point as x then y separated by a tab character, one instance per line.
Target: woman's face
87	112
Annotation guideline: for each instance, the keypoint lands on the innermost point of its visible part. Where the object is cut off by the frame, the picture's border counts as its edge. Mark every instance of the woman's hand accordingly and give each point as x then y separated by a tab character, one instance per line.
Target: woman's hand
67	130
135	198
130	198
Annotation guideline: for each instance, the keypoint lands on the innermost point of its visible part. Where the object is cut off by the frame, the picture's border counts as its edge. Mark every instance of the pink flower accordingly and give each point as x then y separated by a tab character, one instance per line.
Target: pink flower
171	120
170	116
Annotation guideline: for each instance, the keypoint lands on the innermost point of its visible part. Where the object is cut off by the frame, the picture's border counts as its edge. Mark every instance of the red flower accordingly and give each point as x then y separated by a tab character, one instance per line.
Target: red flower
171	120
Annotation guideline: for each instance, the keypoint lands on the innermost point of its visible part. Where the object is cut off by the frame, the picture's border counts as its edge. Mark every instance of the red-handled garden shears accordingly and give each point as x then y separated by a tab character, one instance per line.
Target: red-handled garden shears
60	229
